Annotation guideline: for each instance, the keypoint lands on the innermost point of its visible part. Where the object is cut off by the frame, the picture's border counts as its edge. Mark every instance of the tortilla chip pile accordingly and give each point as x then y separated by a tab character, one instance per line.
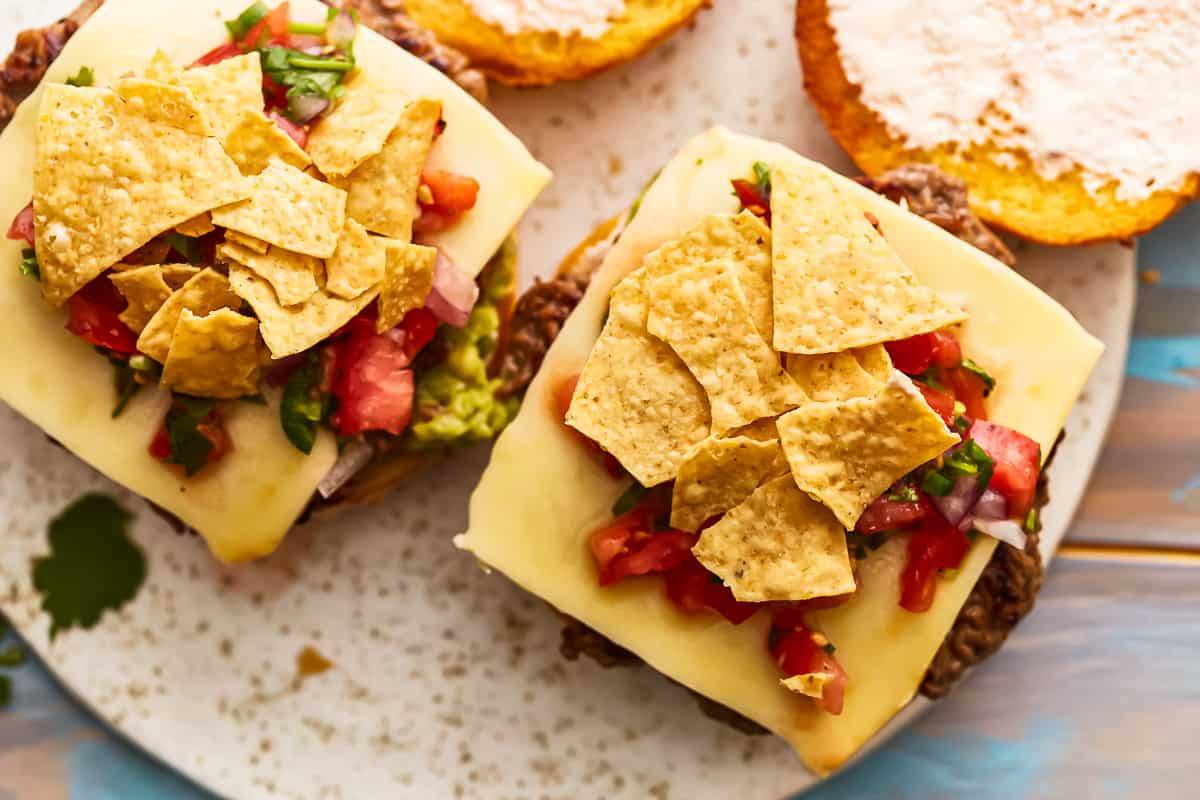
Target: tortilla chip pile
747	365
309	238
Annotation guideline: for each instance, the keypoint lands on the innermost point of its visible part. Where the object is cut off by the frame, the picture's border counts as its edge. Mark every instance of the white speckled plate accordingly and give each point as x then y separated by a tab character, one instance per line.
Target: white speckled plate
446	683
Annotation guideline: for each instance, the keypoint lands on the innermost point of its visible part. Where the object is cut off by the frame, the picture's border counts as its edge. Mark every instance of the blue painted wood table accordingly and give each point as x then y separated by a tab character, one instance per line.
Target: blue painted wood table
1097	695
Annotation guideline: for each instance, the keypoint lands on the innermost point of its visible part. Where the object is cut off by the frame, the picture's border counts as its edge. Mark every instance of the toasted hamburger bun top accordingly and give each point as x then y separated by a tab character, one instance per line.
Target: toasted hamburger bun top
1007	192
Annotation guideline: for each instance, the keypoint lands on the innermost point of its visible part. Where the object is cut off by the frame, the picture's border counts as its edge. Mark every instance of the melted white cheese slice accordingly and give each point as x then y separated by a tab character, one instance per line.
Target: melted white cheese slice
245	505
543	494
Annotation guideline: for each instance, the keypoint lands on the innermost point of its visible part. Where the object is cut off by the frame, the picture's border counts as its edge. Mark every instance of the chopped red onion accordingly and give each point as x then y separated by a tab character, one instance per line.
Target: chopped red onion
961	499
355	456
991	505
341	30
1006	530
454	293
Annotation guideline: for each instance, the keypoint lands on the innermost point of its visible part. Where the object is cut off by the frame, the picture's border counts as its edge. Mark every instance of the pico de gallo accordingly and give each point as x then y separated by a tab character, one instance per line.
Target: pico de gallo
426	383
985	484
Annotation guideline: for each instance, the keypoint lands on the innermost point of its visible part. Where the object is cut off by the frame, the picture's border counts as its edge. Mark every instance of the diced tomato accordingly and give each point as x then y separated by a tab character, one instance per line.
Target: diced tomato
693	590
274	95
420	326
212	428
628	546
947	352
372	382
935	545
298	133
453	196
893	515
218	54
752	198
160	447
21	229
969	390
94	316
799	651
271	29
913	355
1018	464
939	401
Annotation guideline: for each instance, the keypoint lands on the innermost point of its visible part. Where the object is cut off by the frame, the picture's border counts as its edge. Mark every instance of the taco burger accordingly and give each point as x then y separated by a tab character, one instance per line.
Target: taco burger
779	441
279	245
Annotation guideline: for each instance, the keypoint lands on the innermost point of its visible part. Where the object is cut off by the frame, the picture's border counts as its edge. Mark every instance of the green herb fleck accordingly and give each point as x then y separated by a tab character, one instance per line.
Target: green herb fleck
189	446
246	21
931	378
936	484
830	648
989	383
962	424
305	75
85	77
186	246
301	409
13	656
629	499
905	494
1031	521
716	579
92	567
29	265
125	381
762	177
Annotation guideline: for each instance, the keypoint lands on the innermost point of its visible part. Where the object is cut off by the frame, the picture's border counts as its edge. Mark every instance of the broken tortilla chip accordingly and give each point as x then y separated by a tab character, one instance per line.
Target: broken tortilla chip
778	544
810	684
248	242
216	355
357	128
226	90
701	313
832	377
837	283
176	275
358	263
635	398
406	283
207	291
196	227
164	103
144	290
107	180
874	359
293	276
848	453
254	140
718	474
288	209
288	331
382	192
743	241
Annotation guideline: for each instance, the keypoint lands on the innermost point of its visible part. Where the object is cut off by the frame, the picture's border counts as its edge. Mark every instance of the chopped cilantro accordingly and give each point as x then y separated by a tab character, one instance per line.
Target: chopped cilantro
762	177
715	578
189	446
931	378
989	383
306	75
905	494
830	648
629	499
125	382
245	22
962	424
1031	521
301	409
85	77
186	246
970	459
29	265
13	656
92	566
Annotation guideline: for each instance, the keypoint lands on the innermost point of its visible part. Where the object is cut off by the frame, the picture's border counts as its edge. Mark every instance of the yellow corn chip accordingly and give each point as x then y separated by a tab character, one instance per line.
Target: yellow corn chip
848	453
810	684
196	226
635	398
701	313
216	355
407	283
107	181
288	331
832	377
837	282
383	191
226	90
163	103
357	129
163	69
717	475
145	290
743	241
202	295
291	275
875	361
761	430
254	140
288	209
248	242
358	263
778	545
176	275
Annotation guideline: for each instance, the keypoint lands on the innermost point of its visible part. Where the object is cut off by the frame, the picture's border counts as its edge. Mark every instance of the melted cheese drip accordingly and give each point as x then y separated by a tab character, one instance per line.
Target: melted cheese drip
1109	88
591	19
